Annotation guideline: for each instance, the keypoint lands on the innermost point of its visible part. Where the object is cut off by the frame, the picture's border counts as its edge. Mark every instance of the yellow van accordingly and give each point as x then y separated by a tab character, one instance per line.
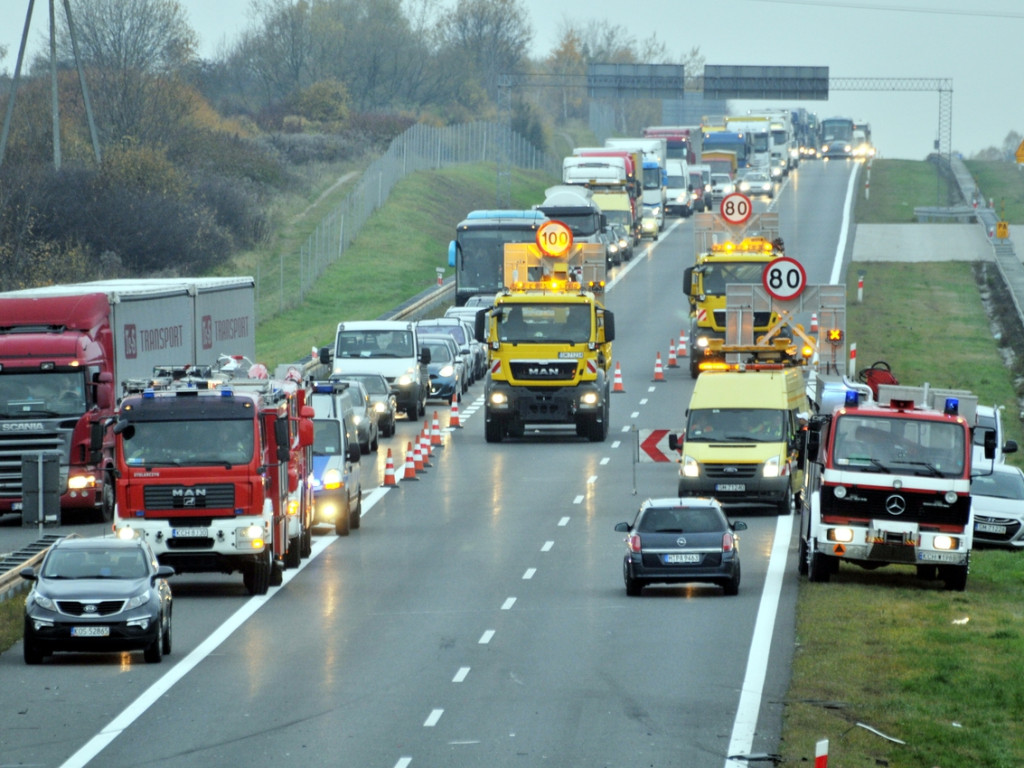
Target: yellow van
741	440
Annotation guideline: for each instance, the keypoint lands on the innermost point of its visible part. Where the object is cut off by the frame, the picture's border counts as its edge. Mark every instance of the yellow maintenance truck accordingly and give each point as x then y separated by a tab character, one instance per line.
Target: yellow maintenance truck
722	259
549	341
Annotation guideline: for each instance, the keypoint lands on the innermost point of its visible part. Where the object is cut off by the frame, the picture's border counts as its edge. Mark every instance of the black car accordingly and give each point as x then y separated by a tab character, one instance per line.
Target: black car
98	594
681	540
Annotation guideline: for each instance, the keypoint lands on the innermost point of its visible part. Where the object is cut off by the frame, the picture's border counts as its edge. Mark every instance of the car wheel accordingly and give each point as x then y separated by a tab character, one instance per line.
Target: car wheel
732	586
597	430
276	573
633	586
256	575
954	577
786	505
293	557
33	653
494	431
167	637
694	368
375	442
154	652
928	572
356	515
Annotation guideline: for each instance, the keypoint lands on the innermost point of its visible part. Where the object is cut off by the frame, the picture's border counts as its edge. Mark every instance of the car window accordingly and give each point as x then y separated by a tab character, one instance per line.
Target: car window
1001	485
678	520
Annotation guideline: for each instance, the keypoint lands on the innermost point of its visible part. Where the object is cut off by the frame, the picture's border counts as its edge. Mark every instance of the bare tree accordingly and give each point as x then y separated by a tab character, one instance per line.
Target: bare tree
134	52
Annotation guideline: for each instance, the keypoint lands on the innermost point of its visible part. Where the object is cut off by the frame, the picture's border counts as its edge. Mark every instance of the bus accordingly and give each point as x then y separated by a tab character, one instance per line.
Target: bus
478	251
836	137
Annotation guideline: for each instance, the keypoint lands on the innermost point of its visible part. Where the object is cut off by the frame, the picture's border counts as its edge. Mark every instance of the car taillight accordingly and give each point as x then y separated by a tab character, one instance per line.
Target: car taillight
727	542
633	542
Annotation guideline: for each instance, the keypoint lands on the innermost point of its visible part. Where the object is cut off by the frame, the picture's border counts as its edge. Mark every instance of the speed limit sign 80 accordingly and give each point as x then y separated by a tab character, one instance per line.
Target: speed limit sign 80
736	208
784	278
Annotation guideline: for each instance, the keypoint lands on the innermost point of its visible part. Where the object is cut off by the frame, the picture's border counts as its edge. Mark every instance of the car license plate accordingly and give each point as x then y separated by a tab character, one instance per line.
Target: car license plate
989	528
190	533
90	631
680	559
730	487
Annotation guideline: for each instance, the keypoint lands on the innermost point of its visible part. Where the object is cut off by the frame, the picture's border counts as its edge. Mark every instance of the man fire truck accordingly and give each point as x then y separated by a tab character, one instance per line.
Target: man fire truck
211	471
549	339
887	481
720	261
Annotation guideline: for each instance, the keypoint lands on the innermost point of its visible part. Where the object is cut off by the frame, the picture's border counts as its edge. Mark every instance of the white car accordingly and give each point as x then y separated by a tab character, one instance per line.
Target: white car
988	417
757	183
721	185
997	500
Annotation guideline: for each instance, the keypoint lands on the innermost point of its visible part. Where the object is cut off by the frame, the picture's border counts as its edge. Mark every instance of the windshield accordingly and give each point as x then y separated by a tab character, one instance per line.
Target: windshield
878	444
326	437
619	217
717	276
374	385
42	393
652	178
482	257
374	343
545	323
95	564
189	443
754	425
439	352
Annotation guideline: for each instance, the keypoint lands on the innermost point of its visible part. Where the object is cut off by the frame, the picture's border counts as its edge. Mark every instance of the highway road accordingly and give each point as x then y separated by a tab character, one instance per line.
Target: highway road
478	617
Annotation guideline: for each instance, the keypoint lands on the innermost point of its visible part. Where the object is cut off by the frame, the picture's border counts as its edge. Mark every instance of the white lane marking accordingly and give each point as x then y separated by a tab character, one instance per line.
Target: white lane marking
634	414
626	428
403	762
528	574
461	675
745	724
643	401
507	605
547	546
837	264
604	461
651	389
563	522
485	638
578	500
431	721
616	443
592	479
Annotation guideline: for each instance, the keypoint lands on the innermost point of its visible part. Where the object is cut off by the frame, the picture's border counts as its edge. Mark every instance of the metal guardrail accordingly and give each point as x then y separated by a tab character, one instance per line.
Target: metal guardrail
11	582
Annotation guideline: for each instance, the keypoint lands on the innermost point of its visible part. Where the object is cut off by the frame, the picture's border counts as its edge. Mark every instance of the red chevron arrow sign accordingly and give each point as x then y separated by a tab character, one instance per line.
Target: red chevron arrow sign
654	445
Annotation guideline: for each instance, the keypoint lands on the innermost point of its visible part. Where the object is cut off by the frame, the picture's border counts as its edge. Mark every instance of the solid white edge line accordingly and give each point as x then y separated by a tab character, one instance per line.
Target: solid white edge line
844	231
745	724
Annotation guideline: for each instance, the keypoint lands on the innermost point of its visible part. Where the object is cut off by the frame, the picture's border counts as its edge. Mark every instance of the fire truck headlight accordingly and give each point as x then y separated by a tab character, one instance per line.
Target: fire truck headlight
844	535
293	507
250	537
950	497
589	398
840	492
771	467
690	467
78	482
126	533
946	542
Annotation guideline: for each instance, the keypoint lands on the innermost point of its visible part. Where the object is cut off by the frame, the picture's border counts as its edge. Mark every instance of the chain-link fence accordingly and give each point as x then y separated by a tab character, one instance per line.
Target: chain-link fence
421	147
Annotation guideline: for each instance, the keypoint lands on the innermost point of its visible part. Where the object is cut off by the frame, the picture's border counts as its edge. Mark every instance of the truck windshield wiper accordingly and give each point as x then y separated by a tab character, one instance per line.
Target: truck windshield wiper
932	469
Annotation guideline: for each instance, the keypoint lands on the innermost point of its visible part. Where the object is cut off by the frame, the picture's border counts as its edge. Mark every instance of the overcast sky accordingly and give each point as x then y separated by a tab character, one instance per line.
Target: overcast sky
975	43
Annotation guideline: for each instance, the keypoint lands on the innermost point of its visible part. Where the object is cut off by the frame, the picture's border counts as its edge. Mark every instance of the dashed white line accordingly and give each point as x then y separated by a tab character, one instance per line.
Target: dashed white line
626	428
592	479
634	414
616	443
403	762
604	461
578	500
643	401
563	522
651	389
547	546
529	573
461	675
431	721
507	605
485	638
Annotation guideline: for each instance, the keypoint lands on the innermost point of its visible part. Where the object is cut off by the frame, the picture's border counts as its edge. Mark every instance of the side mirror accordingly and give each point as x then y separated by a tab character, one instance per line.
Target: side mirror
480	326
674	442
1010	446
990	443
622	527
425	356
687	280
325	355
609	326
281	438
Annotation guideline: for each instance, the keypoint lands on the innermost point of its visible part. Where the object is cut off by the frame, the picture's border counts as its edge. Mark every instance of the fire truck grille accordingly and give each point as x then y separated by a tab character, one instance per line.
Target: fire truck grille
189	497
906	506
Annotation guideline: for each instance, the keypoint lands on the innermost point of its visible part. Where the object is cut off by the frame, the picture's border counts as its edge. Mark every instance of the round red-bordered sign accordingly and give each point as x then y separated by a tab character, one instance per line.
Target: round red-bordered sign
736	208
784	278
554	238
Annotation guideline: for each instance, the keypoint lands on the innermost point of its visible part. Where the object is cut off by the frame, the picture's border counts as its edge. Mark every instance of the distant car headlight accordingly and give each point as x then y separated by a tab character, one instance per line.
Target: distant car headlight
623	243
771	467
380	407
140	599
404	380
42	601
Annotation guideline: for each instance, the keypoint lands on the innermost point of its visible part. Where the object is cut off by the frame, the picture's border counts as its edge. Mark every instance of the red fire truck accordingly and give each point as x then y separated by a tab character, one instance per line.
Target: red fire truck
211	471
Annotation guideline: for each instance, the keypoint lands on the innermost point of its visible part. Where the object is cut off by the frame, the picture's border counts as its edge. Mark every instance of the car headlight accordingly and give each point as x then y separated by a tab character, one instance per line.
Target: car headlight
380	407
589	398
331	480
622	243
357	419
689	467
446	372
771	467
404	380
42	601
140	599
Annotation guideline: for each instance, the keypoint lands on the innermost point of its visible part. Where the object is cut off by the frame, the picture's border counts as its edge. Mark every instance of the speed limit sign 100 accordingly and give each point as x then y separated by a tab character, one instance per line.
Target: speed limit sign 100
736	208
784	278
554	238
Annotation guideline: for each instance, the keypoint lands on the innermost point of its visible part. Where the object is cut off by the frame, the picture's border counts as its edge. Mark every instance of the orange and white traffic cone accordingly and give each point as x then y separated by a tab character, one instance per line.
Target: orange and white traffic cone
410	463
814	322
389	470
417	456
672	363
659	372
424	447
682	344
617	385
435	432
453	417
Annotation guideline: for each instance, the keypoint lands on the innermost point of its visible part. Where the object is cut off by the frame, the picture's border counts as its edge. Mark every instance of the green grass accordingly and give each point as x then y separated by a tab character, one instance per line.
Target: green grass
1003	183
895	188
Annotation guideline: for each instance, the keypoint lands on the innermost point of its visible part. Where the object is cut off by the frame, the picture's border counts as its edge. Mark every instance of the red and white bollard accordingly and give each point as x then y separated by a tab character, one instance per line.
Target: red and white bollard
860	289
853	360
821	754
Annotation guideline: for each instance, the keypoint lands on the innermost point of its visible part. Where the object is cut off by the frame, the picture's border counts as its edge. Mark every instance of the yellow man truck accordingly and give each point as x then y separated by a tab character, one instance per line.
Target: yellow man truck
549	342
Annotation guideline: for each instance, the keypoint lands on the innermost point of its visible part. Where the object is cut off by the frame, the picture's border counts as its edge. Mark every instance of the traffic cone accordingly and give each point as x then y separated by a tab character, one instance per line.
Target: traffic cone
389	470
421	453
682	344
617	385
659	372
435	430
453	417
672	354
426	446
410	464
814	322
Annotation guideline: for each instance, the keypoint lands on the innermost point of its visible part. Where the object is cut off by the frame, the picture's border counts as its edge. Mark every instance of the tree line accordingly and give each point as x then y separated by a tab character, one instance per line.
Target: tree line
194	152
